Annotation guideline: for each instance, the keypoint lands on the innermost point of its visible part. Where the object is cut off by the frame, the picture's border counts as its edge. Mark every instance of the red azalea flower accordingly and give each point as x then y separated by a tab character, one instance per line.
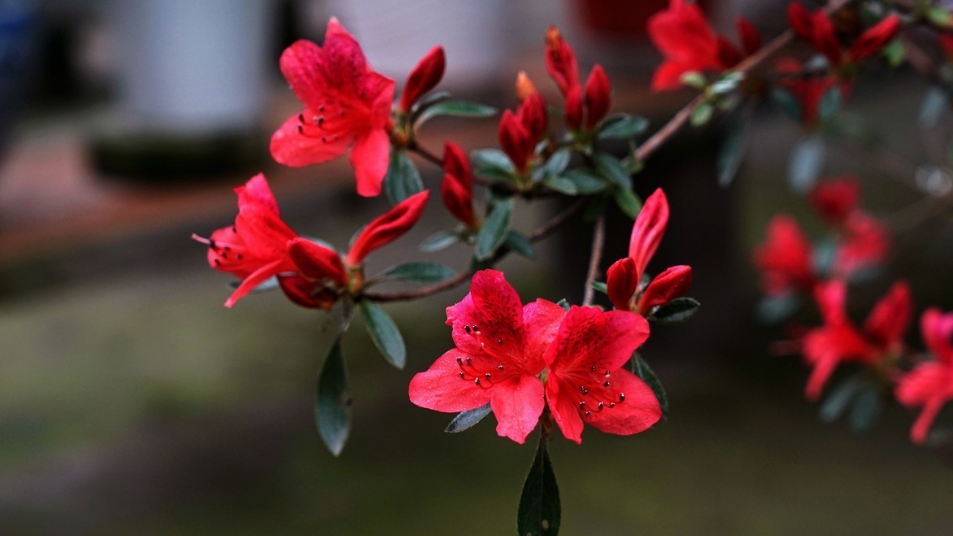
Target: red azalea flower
839	340
686	39
930	384
865	242
624	276
785	258
817	29
561	61
500	351
425	76
320	275
387	228
835	199
457	185
586	383
806	90
347	103
255	249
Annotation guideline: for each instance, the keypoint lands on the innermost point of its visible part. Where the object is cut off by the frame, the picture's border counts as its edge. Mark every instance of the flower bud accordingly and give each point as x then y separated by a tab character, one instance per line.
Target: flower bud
532	114
561	61
835	200
598	92
317	262
572	111
871	41
648	230
749	36
622	280
673	283
524	86
457	185
515	140
425	76
387	228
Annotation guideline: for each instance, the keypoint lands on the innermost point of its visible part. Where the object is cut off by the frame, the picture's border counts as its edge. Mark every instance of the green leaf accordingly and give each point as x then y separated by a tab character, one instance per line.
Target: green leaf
784	100
611	168
677	310
492	163
934	103
430	100
894	53
341	313
694	79
868	405
564	304
940	16
520	244
384	333
622	126
419	272
774	309
561	185
332	409
267	285
806	164
724	86
830	103
731	153
557	162
585	182
840	398
439	241
456	109
539	510
599	286
467	419
642	369
402	179
628	202
495	230
702	114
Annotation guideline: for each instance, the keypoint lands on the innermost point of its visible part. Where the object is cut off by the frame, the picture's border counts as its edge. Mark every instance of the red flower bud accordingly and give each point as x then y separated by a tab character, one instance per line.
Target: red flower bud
825	39
871	41
561	61
524	86
515	140
573	109
317	262
801	21
622	280
387	228
835	200
668	285
598	92
532	114
728	53
648	230
457	185
749	36
425	76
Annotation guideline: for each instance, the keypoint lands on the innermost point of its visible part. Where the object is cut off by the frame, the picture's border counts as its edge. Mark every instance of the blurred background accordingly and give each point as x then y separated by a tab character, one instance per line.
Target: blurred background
132	402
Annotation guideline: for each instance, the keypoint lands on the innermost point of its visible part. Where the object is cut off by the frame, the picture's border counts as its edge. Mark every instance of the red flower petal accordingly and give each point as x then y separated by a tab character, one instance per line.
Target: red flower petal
572	109
259	276
441	388
369	157
749	35
890	317
532	115
825	39
490	313
425	76
785	258
685	38
937	329
673	283
299	142
622	280
389	227
317	262
562	404
541	321
871	41
561	61
825	348
637	413
834	200
517	405
801	21
648	230
590	338
515	140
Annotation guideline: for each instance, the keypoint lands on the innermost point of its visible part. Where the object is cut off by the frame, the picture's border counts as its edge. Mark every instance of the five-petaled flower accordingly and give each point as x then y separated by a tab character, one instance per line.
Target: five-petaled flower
930	384
347	104
500	351
624	277
879	343
586	381
689	44
817	29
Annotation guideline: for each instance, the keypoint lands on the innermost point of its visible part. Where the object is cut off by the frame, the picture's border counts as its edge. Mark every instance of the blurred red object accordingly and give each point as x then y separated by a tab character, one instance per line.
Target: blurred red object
623	18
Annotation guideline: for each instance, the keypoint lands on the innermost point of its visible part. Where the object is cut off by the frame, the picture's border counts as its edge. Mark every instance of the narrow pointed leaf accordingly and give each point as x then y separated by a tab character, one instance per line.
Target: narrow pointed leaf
558	162
456	109
402	179
622	126
702	114
787	103
677	310
731	154
830	103
384	333
520	244
585	182
494	230
439	241
629	203
564	304
599	286
419	272
868	405
333	405
613	170
539	510
430	100
645	372
467	419
839	400
806	163
561	185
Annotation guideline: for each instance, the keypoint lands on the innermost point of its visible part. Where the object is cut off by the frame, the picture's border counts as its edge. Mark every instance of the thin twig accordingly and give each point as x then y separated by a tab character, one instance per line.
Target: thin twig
598	241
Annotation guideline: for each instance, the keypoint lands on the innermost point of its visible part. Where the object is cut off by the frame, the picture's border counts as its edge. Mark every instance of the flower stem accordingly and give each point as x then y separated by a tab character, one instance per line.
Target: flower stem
598	240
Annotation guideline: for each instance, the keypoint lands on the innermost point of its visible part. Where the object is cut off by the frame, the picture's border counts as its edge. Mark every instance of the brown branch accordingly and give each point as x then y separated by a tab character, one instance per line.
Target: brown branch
546	230
598	240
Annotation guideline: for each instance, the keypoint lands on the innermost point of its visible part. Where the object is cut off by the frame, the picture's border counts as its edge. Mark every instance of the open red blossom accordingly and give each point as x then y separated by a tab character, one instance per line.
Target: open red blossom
930	384
785	258
561	61
835	199
346	104
387	228
817	29
864	243
425	76
586	381
255	249
457	185
500	351
689	44
806	90
881	338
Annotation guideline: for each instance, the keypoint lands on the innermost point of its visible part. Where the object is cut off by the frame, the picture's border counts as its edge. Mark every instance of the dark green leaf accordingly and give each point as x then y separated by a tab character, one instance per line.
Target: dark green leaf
830	103
694	79
732	152
702	114
894	53
622	126
493	164
494	230
787	103
520	244
806	164
632	163
934	102
419	272
628	202
868	405
557	162
610	168
384	333
940	16
467	419
825	253
774	309
402	179
594	208
333	406
599	286
539	510
561	185
564	304
439	241
341	313
585	182
677	310
840	398
430	100
457	109
642	369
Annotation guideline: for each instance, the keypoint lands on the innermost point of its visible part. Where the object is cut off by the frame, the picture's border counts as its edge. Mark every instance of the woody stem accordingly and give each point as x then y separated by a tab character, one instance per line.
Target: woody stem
598	240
